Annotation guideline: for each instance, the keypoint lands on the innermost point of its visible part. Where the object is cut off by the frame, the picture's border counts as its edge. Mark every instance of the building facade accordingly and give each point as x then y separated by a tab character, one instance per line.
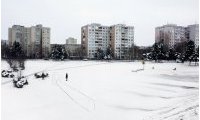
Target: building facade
35	40
93	37
171	34
96	36
46	42
73	50
16	33
193	33
122	39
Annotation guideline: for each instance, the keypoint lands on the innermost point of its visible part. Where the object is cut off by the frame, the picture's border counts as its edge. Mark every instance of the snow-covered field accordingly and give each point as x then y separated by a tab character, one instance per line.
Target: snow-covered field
103	91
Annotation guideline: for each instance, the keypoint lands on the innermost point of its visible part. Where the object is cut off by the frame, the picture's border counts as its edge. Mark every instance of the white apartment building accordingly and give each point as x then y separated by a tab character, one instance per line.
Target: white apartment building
170	34
35	40
93	37
193	33
122	39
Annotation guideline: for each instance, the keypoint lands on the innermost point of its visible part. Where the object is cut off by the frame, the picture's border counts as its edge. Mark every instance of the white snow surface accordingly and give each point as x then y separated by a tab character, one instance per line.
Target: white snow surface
100	90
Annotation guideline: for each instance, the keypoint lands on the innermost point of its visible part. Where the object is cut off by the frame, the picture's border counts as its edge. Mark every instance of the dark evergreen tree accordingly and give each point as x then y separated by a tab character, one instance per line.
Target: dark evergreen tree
171	54
100	54
131	52
158	51
190	50
180	47
16	51
194	57
108	54
155	51
58	53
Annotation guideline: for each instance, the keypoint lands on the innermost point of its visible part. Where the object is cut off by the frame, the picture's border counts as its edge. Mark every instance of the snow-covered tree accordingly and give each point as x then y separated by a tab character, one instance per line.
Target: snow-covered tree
58	53
190	50
171	54
108	53
158	51
16	51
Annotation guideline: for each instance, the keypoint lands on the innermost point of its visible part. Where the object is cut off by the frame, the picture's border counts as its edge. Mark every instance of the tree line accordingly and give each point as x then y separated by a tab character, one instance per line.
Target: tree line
183	51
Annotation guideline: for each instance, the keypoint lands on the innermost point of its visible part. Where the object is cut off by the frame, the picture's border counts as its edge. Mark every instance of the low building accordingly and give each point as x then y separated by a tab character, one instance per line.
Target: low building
74	51
71	40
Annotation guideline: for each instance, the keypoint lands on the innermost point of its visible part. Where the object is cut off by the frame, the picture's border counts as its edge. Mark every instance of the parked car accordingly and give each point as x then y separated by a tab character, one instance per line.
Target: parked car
20	82
41	75
7	74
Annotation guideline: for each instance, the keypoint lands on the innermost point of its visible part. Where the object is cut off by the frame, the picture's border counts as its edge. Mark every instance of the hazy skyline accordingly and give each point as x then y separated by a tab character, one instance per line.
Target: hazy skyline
66	17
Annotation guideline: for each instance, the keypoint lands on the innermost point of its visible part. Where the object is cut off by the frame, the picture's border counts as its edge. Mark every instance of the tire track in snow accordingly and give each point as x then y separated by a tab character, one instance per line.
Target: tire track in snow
66	93
188	104
73	99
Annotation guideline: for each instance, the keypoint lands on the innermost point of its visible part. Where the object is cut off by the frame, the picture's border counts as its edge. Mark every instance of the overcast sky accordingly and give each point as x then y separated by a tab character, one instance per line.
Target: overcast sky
65	17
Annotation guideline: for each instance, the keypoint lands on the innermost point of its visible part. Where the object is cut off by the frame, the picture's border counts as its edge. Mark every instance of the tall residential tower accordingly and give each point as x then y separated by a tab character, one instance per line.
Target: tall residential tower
35	40
171	34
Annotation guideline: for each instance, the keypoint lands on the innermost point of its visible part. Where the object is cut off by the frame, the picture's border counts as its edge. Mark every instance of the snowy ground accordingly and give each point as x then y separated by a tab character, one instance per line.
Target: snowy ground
103	91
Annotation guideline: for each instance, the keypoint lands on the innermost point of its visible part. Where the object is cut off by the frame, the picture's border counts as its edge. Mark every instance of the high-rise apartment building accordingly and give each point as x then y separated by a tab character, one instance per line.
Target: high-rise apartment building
122	39
16	33
93	37
117	37
171	34
193	33
35	40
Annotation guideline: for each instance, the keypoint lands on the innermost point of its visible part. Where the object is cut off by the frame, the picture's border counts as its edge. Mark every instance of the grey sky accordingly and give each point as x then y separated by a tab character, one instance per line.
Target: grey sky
65	17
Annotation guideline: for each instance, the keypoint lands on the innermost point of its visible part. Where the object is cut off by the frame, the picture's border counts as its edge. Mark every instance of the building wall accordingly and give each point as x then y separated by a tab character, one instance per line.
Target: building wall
84	39
27	41
36	39
45	41
10	40
193	32
72	49
16	33
122	39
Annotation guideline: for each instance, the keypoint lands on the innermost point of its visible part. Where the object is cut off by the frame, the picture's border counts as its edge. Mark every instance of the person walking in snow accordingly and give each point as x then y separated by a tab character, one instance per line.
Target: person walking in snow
143	62
66	76
43	76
